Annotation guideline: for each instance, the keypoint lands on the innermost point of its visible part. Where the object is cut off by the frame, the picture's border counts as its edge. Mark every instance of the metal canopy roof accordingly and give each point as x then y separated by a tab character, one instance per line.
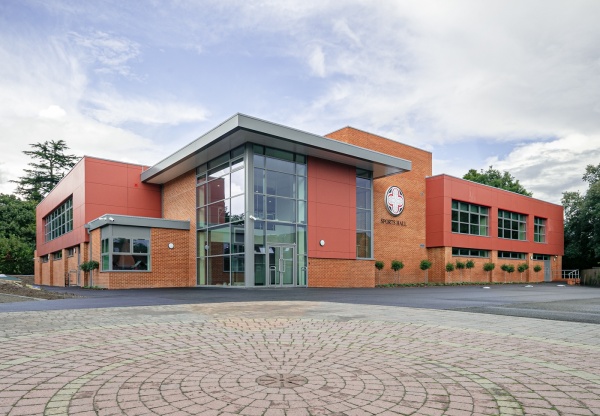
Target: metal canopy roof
240	129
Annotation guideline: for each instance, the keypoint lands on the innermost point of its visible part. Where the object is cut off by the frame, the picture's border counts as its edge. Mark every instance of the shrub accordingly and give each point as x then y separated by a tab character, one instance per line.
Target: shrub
537	268
397	265
425	264
379	265
488	267
522	267
460	265
470	264
449	267
88	266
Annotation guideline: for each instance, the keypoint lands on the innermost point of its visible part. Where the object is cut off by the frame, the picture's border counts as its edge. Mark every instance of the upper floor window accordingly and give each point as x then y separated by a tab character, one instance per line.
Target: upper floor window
539	230
59	221
469	218
512	225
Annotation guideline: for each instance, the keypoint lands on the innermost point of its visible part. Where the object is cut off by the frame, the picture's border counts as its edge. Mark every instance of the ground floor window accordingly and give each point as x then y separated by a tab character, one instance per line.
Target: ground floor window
44	259
541	257
511	255
469	252
57	255
125	249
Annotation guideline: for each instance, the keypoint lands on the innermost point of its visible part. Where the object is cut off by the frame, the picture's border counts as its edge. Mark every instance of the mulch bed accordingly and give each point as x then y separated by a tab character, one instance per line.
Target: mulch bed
21	289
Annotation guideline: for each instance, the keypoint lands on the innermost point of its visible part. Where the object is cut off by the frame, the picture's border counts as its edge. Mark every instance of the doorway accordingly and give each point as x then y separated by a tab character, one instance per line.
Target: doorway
282	265
547	271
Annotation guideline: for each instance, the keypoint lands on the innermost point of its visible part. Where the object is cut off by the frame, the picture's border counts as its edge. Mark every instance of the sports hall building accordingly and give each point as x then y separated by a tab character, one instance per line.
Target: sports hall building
254	204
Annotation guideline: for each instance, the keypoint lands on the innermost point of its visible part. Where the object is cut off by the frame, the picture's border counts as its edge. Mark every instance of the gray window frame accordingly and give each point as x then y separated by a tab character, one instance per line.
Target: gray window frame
460	208
539	230
517	223
59	221
470	252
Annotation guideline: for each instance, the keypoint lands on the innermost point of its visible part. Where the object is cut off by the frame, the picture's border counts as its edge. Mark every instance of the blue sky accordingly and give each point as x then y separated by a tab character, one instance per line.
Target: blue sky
511	84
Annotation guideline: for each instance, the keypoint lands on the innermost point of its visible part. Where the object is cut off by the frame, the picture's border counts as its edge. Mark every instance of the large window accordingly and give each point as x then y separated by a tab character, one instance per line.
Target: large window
125	250
60	221
469	218
539	230
511	255
364	210
512	225
469	252
541	257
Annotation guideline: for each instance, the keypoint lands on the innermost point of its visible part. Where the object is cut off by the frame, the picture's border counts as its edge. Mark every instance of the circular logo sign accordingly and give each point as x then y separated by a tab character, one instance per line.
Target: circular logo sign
394	200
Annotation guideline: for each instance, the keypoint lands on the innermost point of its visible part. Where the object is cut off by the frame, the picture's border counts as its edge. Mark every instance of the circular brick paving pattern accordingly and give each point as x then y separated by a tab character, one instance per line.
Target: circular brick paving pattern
182	362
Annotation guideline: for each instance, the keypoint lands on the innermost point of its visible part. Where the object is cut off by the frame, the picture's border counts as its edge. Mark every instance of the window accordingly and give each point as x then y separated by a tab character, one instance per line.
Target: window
364	224
539	230
541	257
57	255
71	251
511	255
59	221
469	252
44	259
512	225
469	218
127	254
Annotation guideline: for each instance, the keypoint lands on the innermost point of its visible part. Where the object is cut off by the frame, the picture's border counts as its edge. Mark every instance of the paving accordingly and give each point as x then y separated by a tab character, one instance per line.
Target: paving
294	358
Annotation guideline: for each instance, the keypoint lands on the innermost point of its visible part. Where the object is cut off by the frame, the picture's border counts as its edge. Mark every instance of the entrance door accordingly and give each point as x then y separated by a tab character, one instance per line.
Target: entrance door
547	271
282	265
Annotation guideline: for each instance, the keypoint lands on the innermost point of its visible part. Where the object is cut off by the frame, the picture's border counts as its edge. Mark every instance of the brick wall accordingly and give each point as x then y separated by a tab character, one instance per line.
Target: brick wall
179	203
341	273
169	267
405	242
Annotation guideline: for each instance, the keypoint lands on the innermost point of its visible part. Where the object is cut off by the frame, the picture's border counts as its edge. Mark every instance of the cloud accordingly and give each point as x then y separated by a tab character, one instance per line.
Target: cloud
54	111
316	61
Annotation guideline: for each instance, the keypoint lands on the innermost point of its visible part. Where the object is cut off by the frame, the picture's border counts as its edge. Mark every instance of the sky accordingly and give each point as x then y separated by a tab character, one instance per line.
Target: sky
509	84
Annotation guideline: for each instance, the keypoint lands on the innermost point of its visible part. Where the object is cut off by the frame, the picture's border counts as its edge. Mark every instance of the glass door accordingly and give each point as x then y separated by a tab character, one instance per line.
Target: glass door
282	265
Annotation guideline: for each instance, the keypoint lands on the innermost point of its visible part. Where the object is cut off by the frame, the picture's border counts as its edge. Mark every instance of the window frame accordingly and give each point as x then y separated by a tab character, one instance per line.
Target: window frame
469	211
59	221
364	235
471	252
515	220
107	253
512	255
539	230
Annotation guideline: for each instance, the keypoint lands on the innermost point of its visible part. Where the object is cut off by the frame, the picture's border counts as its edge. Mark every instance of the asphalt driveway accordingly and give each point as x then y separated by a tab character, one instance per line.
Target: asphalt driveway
544	300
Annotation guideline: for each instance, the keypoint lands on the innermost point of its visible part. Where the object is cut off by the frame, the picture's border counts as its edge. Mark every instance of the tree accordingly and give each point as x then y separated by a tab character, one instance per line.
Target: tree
16	256
522	268
379	265
49	165
449	269
396	267
425	265
17	235
469	265
582	223
488	267
493	177
460	266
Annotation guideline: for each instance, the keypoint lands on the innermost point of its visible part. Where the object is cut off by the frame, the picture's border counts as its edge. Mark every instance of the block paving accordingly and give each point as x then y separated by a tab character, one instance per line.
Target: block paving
294	358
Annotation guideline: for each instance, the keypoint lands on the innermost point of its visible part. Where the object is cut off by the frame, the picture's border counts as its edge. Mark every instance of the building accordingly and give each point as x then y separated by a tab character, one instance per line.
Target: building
253	203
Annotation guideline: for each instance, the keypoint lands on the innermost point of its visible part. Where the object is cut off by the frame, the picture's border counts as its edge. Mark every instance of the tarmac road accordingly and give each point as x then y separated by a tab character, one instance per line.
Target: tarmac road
543	301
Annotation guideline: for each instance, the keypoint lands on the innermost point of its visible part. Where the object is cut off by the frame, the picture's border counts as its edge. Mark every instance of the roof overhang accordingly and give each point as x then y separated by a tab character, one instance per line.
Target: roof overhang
241	129
148	222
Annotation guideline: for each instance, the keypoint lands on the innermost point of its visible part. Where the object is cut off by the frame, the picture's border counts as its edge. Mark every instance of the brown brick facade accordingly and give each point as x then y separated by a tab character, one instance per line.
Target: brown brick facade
179	203
341	273
169	267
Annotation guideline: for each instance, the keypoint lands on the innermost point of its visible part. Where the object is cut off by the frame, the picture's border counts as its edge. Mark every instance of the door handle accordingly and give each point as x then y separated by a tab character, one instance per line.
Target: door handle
281	265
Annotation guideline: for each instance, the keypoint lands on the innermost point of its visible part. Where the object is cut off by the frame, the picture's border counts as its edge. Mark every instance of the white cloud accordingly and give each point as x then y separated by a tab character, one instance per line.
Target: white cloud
109	52
54	111
316	61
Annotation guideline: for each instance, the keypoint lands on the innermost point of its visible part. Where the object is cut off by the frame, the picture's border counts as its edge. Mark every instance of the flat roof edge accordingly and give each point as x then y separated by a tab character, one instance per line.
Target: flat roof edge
131	221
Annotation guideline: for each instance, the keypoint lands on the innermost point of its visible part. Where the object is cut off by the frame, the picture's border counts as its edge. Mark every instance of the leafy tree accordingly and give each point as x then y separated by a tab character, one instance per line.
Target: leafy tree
469	265
17	235
425	265
493	177
397	265
16	256
582	223
460	266
17	218
522	268
48	166
488	267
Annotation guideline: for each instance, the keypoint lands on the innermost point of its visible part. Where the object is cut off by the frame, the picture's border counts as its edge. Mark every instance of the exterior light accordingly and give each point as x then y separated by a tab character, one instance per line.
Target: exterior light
322	243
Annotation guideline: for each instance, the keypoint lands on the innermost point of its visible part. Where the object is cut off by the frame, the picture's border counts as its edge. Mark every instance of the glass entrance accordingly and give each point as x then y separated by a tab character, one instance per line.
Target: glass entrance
282	265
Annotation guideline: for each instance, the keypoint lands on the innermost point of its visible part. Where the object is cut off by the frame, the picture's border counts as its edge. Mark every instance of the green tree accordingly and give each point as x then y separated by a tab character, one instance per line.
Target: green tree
17	235
493	177
48	166
582	223
16	256
397	265
425	265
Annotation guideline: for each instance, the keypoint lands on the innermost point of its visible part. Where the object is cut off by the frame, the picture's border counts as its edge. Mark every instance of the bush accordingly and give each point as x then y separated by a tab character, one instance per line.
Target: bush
488	267
397	265
88	266
425	264
537	268
379	265
470	264
16	256
522	267
449	267
460	265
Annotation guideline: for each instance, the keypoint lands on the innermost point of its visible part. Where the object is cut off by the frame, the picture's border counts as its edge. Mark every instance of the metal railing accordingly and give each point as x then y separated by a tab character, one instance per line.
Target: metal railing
571	276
